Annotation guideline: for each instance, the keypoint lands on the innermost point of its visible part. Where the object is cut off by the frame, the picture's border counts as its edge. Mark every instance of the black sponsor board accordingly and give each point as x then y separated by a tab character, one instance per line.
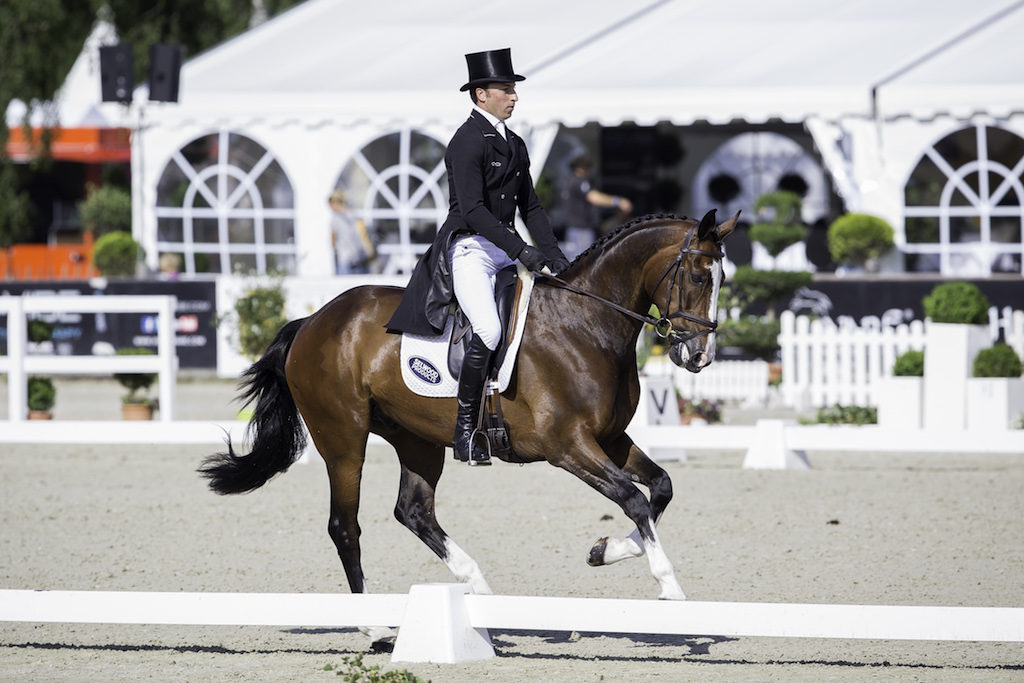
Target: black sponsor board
78	333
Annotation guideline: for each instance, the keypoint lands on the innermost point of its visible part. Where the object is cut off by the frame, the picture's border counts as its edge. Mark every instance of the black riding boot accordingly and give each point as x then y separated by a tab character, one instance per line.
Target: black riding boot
471	388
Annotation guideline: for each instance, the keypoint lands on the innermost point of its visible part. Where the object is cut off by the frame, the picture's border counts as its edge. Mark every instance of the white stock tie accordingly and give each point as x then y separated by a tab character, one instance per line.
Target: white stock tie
500	127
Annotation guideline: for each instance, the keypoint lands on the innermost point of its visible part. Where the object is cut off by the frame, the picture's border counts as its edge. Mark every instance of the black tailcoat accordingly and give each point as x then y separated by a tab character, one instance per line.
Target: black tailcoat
488	179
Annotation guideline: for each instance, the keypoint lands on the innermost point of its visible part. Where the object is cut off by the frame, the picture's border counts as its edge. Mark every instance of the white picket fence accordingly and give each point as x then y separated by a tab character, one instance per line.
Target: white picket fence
824	363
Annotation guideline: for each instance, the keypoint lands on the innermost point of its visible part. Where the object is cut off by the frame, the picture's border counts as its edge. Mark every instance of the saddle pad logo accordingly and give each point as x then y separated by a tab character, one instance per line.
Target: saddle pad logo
424	370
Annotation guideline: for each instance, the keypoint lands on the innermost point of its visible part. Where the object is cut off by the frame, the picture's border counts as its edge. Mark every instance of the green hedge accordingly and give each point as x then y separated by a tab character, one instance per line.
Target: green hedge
857	237
999	360
116	254
956	302
909	364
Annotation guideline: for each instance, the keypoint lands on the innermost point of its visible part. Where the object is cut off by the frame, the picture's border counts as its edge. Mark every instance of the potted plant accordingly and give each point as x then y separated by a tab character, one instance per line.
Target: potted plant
41	397
899	397
116	254
704	411
136	404
995	393
857	240
955	330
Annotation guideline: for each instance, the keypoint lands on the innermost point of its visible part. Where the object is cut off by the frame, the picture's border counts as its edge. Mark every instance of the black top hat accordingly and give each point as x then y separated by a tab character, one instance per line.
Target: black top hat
493	66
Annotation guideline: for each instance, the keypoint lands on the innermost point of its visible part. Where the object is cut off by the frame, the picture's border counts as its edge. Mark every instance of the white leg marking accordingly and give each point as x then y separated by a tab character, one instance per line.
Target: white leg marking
379	634
623	549
465	567
661	569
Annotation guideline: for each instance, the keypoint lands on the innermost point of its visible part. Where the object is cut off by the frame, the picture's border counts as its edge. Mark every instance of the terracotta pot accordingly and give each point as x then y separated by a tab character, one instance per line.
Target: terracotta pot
40	415
136	411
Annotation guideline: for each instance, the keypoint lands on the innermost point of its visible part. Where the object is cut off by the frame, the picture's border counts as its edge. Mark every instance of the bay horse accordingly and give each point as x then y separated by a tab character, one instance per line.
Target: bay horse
574	391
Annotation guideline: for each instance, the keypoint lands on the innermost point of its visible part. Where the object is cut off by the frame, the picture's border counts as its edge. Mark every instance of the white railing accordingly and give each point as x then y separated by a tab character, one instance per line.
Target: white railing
745	381
18	363
447	623
824	363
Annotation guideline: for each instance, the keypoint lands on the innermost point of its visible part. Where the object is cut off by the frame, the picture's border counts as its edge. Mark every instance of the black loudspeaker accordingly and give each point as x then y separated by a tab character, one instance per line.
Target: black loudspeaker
117	73
164	71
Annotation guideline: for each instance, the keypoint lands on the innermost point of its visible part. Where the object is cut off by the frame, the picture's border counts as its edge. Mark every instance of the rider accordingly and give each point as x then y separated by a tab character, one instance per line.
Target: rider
488	179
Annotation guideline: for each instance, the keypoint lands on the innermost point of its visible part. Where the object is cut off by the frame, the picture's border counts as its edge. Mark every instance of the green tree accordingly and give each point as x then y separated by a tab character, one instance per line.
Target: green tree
40	40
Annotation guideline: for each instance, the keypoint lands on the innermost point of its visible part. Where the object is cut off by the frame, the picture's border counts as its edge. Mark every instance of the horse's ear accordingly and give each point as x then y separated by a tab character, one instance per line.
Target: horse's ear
707	225
727	227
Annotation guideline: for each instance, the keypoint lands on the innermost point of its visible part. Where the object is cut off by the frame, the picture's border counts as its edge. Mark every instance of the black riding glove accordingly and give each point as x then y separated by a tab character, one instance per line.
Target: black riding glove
557	265
532	258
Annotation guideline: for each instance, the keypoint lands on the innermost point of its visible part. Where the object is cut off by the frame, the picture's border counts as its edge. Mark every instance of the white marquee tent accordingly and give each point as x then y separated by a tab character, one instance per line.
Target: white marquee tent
877	83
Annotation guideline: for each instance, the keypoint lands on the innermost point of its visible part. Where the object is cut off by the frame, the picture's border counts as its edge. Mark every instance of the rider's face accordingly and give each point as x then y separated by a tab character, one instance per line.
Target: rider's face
498	99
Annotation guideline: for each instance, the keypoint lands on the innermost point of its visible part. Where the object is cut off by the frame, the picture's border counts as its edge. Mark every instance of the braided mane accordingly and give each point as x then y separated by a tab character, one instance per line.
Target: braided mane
599	244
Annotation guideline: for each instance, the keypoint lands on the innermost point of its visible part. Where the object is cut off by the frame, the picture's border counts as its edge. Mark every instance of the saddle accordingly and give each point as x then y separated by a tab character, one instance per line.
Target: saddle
490	422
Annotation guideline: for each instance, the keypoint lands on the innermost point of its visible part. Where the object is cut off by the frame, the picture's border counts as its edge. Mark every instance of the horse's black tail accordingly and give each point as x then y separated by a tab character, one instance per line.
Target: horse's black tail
275	429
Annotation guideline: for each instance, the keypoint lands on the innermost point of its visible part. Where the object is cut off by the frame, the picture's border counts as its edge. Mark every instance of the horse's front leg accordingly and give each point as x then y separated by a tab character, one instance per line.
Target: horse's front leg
591	464
642	470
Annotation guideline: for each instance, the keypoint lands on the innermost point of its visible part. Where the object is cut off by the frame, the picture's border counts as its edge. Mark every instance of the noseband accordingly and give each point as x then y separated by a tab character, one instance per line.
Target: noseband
663	326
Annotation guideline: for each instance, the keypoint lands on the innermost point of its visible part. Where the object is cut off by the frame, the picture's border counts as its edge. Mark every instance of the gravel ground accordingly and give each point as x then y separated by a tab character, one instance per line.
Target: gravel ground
855	529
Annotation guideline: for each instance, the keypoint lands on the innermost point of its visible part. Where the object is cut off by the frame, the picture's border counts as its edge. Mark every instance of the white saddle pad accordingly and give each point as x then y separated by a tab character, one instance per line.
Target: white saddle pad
425	359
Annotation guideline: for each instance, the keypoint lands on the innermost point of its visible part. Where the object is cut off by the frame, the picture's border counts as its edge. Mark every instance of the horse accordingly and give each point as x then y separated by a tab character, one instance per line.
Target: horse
573	393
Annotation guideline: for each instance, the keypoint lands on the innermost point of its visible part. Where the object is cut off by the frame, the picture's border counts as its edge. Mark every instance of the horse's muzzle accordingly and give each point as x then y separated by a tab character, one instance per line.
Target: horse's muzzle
694	361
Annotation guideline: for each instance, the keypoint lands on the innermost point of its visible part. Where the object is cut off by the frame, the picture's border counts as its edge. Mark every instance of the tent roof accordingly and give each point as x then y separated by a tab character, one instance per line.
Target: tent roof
610	61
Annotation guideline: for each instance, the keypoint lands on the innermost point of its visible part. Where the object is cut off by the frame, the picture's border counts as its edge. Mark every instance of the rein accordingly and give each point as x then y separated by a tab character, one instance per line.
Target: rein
663	326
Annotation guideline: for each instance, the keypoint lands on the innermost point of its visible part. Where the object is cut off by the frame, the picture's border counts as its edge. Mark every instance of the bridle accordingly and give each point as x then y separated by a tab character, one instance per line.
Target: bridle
663	326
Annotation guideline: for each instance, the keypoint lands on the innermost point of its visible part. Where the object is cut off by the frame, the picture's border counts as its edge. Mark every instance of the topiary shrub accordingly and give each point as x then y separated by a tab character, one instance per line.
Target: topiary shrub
776	237
854	238
787	206
768	286
956	302
41	393
116	254
782	227
909	364
106	209
759	336
999	360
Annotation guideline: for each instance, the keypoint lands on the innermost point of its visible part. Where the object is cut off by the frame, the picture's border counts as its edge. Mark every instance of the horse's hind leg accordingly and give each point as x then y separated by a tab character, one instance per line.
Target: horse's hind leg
422	463
641	470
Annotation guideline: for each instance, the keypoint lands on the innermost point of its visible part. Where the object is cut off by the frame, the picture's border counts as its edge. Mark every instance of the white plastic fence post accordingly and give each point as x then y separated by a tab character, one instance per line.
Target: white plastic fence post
436	627
168	356
17	381
769	450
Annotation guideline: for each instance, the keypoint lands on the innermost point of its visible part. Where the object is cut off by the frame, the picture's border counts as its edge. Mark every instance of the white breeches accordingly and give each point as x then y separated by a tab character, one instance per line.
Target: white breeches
475	261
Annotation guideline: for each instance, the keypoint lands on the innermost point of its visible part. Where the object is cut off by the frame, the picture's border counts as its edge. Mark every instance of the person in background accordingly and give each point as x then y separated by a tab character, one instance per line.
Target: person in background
354	252
580	201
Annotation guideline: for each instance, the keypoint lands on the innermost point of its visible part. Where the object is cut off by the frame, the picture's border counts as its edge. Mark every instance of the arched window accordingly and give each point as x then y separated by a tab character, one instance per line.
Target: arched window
225	204
964	204
396	184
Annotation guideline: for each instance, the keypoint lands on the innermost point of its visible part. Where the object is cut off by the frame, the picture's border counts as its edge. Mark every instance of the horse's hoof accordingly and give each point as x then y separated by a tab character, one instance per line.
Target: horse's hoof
596	557
382	638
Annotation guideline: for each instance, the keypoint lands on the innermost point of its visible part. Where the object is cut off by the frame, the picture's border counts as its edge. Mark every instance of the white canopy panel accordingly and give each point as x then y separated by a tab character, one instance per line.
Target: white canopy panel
610	61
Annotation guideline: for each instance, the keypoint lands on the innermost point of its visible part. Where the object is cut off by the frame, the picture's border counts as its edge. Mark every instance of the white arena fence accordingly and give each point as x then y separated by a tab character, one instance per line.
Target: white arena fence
446	623
18	362
824	363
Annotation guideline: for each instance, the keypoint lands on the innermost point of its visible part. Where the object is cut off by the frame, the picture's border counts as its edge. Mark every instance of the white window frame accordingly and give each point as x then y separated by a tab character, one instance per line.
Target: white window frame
224	207
401	257
984	205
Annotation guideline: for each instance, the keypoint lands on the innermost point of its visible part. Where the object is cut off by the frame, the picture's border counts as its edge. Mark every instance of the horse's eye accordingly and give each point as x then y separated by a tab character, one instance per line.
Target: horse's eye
698	278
